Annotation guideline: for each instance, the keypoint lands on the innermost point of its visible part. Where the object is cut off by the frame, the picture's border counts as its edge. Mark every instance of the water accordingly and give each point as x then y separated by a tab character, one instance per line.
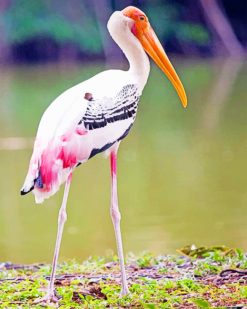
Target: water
182	173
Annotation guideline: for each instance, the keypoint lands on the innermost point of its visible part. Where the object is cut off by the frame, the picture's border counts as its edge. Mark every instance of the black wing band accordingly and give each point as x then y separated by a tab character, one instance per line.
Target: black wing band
109	110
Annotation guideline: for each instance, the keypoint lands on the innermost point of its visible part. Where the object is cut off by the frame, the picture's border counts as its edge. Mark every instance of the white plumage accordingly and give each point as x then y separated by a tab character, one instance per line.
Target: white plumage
92	117
58	129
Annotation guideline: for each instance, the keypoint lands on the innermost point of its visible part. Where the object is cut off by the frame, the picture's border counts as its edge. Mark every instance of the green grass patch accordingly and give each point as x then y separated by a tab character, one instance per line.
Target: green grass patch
197	278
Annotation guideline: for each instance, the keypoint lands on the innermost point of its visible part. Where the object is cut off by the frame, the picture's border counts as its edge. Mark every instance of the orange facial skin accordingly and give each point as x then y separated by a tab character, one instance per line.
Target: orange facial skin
151	44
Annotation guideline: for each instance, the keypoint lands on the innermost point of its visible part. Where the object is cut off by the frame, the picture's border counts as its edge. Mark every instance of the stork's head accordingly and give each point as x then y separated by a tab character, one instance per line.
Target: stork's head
143	31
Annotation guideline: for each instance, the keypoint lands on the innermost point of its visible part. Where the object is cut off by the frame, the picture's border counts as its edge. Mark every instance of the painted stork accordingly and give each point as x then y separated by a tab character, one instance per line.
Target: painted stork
93	117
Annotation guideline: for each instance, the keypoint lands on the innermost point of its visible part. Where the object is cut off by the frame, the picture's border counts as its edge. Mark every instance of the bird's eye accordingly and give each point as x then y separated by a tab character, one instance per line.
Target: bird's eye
142	17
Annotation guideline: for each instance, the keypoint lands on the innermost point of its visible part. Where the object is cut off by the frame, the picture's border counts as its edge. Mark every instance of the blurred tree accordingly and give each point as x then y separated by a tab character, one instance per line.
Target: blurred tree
67	23
180	34
4	46
222	28
60	29
102	12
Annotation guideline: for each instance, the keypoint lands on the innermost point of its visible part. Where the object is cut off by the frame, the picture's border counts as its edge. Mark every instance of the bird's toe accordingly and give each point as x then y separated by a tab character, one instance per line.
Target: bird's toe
124	291
49	298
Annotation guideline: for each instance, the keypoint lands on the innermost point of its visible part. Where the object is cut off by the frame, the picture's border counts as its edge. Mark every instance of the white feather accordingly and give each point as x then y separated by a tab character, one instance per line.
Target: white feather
62	116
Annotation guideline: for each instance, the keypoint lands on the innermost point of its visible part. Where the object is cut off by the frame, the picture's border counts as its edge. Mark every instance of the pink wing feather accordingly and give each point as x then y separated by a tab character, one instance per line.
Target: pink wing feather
57	149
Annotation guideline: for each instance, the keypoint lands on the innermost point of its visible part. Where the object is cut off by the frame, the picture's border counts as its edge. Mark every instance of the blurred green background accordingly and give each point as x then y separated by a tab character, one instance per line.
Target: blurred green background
182	173
44	30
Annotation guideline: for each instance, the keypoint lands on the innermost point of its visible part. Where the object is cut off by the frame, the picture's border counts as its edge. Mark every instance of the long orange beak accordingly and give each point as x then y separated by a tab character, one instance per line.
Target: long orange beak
151	44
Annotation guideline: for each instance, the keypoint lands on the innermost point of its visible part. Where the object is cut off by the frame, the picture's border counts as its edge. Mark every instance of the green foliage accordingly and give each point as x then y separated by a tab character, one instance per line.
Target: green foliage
243	291
95	283
146	260
25	20
189	285
201	303
74	22
169	24
193	33
215	252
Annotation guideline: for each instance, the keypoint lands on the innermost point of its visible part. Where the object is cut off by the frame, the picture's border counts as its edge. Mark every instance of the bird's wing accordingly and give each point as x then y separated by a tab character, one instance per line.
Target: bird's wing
68	136
90	102
101	112
109	119
93	116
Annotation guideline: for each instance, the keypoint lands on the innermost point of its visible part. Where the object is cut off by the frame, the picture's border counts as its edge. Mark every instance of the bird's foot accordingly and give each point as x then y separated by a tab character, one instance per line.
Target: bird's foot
49	298
124	291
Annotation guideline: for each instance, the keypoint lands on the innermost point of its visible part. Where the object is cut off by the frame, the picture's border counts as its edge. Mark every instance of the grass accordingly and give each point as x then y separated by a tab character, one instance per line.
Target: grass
196	278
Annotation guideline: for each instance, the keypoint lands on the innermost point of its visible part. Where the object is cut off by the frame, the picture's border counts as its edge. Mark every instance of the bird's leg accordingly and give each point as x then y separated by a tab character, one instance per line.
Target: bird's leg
62	217
116	217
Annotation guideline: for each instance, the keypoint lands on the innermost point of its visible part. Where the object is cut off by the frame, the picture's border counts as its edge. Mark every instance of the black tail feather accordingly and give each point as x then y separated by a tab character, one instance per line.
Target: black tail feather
24	192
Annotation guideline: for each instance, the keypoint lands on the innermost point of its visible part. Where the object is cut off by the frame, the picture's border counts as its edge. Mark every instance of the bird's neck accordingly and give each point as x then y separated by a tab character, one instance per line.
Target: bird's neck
139	65
133	50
